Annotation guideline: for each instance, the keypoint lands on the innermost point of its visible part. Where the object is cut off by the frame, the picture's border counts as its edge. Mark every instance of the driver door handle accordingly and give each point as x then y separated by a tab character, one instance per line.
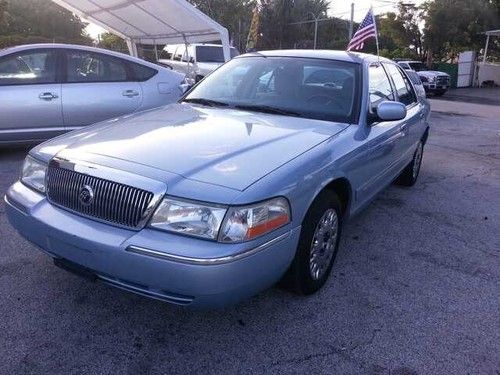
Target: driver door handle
404	129
48	96
130	93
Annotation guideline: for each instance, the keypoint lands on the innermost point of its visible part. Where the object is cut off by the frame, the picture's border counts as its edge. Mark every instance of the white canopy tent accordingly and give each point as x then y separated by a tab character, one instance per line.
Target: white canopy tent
150	21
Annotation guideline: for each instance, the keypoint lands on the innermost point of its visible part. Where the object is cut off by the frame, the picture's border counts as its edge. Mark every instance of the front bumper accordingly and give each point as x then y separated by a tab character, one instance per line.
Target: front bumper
435	86
160	265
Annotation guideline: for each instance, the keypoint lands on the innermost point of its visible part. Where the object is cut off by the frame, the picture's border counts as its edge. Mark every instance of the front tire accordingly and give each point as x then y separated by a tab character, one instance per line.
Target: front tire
409	175
318	245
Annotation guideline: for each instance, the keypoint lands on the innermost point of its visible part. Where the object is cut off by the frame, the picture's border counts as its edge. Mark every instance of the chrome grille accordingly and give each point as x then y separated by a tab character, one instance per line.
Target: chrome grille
443	80
112	202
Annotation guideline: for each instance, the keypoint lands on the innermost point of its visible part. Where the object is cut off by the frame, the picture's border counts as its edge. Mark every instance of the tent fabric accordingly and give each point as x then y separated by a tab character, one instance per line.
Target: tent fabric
150	21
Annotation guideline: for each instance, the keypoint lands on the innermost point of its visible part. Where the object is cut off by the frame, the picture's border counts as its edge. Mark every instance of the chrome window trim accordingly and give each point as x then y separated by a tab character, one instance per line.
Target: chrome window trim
207	261
115	175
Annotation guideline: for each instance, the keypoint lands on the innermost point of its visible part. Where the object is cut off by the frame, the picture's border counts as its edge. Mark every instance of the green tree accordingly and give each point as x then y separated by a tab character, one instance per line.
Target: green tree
279	18
3	13
235	15
112	42
453	26
399	33
32	21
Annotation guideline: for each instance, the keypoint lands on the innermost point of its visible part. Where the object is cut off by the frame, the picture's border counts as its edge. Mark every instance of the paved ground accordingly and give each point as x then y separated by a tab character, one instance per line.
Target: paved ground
490	96
415	290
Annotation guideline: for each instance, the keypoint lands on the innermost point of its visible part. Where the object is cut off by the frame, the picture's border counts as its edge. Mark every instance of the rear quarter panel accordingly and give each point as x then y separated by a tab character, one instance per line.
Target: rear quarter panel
162	89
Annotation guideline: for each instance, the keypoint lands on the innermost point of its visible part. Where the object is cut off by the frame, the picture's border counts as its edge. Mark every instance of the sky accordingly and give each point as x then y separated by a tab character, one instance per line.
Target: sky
94	30
338	8
342	8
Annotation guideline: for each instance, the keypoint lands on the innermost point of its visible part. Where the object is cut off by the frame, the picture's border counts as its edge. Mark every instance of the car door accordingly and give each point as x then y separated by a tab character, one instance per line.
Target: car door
30	96
411	127
376	164
97	87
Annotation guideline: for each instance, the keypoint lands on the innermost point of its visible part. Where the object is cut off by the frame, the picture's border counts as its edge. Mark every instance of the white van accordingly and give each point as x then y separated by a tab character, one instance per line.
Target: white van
195	60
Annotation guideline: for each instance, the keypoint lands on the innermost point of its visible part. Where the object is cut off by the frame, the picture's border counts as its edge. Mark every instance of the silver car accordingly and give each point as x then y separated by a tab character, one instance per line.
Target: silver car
48	89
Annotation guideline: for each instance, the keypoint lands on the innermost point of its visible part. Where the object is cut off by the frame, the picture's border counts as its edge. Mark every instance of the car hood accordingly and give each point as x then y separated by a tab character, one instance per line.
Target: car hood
225	147
432	73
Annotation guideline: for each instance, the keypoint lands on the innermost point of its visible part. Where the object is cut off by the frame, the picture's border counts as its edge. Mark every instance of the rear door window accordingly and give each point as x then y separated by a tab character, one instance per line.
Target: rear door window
84	66
402	84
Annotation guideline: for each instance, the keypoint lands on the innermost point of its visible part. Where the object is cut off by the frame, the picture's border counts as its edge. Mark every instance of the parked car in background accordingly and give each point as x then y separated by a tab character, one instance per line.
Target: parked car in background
434	82
195	60
417	83
246	181
48	89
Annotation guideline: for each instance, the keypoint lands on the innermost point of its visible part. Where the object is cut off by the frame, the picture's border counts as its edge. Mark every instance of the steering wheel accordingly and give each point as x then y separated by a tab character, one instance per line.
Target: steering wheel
325	100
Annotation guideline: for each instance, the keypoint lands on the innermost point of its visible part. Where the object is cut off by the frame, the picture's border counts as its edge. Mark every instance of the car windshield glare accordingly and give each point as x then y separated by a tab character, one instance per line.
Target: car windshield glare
304	87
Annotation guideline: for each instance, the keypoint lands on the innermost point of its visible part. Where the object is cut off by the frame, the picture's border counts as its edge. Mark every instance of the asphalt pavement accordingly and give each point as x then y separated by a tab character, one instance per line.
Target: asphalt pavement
415	288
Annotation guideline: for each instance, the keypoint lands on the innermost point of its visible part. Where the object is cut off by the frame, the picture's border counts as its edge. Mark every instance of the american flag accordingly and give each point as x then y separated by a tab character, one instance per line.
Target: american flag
367	29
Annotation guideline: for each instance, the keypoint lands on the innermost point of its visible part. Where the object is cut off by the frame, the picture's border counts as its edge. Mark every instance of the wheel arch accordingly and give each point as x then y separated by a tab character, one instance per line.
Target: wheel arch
425	136
342	187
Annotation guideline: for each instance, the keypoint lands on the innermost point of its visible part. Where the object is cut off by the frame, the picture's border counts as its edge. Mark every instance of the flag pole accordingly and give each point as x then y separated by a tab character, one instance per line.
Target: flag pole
376	33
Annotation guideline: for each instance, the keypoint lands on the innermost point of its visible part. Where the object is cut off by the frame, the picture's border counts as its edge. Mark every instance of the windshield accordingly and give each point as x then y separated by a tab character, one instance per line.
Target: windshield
303	87
417	66
212	54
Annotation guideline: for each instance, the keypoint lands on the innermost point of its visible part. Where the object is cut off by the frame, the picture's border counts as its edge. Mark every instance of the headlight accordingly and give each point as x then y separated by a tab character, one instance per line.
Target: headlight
33	174
249	222
190	218
432	79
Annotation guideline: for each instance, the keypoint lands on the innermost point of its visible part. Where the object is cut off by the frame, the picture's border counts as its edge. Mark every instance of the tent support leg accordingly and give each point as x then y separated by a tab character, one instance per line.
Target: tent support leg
486	48
132	48
224	37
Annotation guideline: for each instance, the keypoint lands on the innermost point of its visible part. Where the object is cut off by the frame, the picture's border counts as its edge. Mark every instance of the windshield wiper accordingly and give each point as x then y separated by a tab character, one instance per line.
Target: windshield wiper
267	109
208	102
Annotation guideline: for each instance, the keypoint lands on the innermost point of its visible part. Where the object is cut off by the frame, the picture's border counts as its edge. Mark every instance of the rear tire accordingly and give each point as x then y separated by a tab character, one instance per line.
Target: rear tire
409	175
318	245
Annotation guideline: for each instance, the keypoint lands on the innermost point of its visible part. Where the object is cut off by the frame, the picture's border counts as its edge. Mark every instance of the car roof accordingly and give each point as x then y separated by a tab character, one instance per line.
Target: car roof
355	57
26	47
197	45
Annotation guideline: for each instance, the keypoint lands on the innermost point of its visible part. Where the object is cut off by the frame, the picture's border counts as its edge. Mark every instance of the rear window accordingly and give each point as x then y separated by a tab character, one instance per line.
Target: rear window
417	66
212	54
142	73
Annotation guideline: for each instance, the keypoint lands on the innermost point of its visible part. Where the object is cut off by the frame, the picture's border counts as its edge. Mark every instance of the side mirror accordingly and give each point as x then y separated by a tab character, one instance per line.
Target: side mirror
185	87
391	111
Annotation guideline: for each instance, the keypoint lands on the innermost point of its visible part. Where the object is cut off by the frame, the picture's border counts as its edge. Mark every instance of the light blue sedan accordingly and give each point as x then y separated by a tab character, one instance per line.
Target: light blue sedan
246	181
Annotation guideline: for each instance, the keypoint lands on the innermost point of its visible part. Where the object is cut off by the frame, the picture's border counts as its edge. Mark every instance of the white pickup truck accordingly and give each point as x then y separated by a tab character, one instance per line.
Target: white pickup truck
433	81
194	60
